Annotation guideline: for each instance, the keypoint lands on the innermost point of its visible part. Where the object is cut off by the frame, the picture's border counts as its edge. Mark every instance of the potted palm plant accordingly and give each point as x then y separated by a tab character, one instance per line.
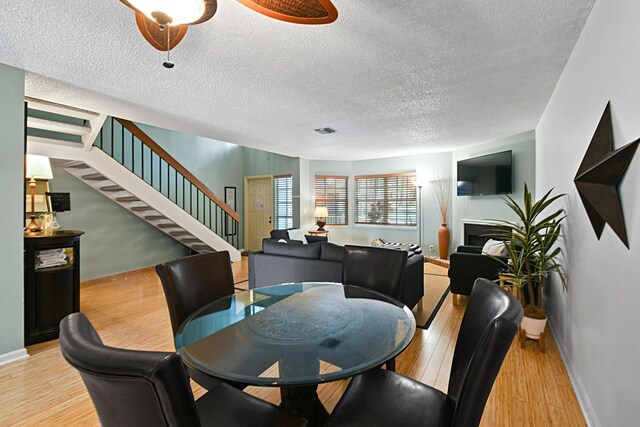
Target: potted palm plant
532	254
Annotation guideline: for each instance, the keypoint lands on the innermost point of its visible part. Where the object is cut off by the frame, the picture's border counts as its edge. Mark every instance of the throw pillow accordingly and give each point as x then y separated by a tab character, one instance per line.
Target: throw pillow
493	247
297	234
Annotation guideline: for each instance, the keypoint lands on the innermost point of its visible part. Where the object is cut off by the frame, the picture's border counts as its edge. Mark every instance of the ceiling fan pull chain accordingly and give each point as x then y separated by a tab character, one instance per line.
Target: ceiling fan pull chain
168	63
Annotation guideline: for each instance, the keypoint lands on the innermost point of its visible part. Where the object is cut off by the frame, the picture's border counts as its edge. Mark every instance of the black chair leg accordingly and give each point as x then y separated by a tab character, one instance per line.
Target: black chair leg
391	365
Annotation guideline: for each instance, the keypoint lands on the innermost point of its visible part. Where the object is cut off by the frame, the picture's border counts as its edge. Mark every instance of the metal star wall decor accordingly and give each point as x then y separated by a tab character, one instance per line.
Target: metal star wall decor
598	178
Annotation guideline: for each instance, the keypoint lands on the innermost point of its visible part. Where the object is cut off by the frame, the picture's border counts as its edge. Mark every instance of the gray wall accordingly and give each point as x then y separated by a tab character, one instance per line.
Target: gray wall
115	240
523	147
597	322
11	220
426	164
338	234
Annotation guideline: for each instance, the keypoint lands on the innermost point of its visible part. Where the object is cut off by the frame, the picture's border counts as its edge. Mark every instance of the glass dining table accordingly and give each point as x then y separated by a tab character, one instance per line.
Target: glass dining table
295	336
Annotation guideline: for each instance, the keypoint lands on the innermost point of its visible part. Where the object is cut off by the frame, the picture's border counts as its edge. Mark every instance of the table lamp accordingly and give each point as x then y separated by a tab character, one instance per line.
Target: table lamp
38	167
321	212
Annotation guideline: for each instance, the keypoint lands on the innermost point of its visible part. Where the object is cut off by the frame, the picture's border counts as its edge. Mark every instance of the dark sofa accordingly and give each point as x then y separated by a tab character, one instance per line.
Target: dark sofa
284	235
321	262
467	264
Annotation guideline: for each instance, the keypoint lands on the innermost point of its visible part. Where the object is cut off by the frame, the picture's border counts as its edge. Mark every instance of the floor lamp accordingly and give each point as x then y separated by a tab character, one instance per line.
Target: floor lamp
38	167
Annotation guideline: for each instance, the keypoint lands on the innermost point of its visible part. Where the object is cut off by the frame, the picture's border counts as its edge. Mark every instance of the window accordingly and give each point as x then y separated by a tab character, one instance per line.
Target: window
386	199
283	202
331	191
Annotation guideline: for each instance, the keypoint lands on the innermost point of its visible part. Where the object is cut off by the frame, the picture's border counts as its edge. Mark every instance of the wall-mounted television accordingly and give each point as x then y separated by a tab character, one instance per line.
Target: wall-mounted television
485	175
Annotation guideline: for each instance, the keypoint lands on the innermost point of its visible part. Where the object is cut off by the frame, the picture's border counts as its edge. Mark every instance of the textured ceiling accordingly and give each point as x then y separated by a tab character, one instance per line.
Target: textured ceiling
392	77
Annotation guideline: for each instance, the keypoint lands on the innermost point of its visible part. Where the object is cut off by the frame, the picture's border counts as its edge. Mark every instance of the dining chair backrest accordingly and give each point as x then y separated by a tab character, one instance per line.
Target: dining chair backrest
490	322
128	387
378	269
192	282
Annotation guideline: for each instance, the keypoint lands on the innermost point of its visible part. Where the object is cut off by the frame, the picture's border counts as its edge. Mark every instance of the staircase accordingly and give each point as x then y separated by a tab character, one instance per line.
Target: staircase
119	160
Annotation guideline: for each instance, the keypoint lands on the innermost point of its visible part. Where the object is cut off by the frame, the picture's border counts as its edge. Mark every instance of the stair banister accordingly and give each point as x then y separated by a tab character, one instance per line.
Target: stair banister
139	133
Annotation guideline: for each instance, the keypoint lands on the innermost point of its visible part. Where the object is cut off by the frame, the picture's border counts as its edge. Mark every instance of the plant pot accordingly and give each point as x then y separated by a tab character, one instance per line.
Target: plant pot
443	241
533	327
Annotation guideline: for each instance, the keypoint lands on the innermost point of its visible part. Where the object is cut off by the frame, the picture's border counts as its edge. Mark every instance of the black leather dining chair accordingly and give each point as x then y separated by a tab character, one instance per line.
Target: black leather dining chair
192	282
189	284
382	398
146	388
378	269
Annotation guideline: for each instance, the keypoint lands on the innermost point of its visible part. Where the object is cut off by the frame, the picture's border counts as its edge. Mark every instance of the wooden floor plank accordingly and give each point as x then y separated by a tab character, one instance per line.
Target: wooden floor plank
129	310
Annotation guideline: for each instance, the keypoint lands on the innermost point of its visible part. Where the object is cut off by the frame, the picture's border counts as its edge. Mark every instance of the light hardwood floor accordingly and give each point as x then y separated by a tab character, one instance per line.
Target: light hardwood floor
129	310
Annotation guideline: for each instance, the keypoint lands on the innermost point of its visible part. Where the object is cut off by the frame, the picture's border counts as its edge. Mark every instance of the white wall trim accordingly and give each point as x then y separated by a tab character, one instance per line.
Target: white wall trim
13	356
583	399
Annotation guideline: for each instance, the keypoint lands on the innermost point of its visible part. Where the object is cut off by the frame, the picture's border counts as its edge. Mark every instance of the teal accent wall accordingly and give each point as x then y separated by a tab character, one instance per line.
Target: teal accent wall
115	240
258	162
11	222
57	118
217	164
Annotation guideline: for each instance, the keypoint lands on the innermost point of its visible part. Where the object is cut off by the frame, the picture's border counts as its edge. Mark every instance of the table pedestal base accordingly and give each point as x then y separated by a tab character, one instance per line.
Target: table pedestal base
304	401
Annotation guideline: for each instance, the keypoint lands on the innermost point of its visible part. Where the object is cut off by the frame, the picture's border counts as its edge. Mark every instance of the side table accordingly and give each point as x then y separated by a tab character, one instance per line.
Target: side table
51	282
318	233
506	282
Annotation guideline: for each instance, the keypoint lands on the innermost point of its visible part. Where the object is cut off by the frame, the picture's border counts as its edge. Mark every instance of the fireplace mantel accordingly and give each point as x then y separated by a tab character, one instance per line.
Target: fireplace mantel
474	222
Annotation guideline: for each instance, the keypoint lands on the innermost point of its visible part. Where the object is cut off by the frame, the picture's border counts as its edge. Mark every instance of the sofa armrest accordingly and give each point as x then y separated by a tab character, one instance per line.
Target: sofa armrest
465	268
413	285
315	239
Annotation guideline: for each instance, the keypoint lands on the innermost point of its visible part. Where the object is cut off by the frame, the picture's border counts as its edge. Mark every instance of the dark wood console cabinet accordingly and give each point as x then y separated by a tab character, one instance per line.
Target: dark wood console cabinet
50	292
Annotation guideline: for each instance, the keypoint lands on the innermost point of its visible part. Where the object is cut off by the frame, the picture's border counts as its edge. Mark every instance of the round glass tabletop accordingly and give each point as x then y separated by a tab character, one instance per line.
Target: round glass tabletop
295	334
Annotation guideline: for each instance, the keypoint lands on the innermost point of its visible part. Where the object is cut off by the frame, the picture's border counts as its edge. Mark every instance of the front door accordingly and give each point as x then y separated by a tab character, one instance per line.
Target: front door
258	208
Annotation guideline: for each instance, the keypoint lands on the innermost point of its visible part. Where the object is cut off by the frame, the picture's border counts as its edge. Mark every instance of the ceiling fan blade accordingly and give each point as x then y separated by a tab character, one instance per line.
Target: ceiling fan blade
308	12
151	32
211	6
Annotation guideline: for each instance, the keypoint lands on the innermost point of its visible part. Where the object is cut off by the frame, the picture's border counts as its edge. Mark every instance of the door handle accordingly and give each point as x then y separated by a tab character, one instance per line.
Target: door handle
269	220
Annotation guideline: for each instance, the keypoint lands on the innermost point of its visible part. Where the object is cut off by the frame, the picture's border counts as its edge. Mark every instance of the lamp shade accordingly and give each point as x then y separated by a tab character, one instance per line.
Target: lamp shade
321	212
180	11
38	167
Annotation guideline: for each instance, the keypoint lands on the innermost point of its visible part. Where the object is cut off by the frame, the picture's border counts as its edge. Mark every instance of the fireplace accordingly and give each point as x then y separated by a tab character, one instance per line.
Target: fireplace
474	233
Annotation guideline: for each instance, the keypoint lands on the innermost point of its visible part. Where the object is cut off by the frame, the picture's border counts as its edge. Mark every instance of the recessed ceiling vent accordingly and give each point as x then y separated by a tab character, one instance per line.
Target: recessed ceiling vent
325	131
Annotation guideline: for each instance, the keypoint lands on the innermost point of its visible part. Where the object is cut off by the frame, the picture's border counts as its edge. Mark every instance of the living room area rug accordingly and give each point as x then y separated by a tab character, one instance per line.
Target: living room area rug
436	289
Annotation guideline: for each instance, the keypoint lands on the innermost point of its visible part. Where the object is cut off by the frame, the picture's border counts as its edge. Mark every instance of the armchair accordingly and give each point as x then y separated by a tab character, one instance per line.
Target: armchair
466	265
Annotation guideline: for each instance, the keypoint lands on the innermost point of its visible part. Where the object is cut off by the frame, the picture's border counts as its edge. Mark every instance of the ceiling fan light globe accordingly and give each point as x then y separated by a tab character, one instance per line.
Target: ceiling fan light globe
179	11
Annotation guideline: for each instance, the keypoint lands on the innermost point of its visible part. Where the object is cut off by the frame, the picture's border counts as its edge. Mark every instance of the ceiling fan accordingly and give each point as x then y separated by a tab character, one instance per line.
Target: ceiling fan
164	23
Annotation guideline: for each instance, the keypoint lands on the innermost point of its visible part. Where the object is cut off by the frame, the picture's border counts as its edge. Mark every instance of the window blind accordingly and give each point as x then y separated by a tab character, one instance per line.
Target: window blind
331	191
283	202
386	199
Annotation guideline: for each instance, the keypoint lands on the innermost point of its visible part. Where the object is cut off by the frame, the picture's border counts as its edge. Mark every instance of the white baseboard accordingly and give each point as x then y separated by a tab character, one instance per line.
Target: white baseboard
13	356
583	400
